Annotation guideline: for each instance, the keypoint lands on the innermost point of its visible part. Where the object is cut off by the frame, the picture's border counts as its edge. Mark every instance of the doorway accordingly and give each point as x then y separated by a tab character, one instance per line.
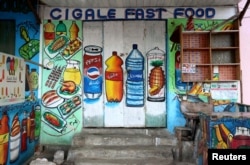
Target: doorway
119	36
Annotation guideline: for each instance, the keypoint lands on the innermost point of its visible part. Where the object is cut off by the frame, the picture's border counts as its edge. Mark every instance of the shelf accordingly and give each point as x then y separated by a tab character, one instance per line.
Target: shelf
196	40
202	73
210	56
196	56
228	72
224	40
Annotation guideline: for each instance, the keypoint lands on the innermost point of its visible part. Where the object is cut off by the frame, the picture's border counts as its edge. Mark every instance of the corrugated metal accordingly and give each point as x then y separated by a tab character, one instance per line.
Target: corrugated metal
137	3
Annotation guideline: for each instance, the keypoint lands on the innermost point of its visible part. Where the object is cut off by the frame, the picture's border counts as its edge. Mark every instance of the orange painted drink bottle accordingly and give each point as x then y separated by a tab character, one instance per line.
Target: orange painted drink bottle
114	78
4	139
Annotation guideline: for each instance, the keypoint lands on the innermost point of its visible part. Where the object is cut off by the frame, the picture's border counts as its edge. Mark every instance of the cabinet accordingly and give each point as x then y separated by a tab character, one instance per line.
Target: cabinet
210	55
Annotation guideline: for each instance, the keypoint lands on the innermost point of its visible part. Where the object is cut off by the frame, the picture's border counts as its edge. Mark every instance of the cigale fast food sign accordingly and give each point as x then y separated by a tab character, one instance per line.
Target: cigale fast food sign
154	13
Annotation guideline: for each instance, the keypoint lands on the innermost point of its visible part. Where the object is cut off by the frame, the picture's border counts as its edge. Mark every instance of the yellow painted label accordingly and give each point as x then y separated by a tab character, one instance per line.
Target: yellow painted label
4	138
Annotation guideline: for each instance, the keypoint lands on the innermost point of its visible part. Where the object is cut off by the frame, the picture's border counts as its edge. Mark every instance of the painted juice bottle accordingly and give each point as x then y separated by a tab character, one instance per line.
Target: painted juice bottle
49	32
114	78
135	78
73	30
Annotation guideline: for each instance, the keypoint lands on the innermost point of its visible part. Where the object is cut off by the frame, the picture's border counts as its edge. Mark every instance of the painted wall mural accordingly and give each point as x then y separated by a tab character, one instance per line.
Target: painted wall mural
125	51
218	132
20	122
62	81
12	81
177	88
19	131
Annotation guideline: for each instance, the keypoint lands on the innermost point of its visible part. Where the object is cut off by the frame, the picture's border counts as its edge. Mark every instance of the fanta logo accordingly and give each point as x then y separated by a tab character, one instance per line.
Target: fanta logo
93	73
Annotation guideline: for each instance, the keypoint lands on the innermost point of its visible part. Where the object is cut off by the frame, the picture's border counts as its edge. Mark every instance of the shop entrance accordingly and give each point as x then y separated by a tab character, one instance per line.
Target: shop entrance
119	36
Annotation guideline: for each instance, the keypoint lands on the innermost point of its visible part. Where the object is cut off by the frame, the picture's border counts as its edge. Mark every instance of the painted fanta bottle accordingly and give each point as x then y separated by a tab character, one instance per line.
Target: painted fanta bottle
114	78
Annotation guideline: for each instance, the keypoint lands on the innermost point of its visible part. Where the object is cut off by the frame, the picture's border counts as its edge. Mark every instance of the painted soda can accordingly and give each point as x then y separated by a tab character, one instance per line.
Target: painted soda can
92	71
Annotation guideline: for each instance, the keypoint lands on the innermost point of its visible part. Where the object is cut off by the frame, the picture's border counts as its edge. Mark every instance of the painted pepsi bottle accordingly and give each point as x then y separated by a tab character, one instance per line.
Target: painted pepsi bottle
135	78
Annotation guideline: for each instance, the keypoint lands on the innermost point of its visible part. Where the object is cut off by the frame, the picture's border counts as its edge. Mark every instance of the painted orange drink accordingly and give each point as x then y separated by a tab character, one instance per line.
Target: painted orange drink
114	78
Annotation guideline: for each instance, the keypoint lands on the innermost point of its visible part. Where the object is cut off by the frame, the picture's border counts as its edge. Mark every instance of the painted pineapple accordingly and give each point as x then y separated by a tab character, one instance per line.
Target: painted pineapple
156	77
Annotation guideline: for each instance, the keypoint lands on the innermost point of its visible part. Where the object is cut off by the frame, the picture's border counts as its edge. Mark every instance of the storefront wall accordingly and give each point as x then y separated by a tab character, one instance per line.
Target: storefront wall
20	124
109	30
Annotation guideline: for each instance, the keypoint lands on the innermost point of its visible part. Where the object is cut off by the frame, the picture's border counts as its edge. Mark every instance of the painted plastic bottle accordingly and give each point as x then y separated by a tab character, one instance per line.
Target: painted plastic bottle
37	121
114	78
33	79
73	30
135	78
32	125
24	135
61	29
49	32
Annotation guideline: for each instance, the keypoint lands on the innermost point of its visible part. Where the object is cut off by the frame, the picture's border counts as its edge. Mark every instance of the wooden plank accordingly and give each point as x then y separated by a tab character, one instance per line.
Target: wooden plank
92	109
134	32
113	41
155	37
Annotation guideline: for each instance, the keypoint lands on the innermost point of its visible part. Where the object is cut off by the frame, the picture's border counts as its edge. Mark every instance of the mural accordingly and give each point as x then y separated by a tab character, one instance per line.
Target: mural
125	54
62	81
19	131
20	122
219	132
222	101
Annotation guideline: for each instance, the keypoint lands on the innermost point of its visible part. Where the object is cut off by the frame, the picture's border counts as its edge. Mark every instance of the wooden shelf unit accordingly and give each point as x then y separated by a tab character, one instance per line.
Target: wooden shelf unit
214	55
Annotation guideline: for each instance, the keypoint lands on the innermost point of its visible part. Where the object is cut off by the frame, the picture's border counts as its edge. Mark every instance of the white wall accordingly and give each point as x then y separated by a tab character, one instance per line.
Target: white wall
245	53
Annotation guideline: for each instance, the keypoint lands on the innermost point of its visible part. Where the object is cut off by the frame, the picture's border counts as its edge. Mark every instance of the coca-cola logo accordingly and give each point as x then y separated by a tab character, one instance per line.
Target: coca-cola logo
93	73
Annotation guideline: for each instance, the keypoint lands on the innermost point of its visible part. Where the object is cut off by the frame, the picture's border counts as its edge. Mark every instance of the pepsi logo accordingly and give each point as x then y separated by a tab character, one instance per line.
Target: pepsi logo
93	73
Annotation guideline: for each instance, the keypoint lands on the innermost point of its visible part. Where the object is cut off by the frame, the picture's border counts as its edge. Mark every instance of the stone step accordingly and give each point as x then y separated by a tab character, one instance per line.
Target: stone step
145	161
120	152
82	140
131	131
120	146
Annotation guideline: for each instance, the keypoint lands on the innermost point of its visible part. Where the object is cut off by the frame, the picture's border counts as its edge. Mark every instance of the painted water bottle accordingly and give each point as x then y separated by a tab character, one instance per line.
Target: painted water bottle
156	75
92	71
114	78
135	78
